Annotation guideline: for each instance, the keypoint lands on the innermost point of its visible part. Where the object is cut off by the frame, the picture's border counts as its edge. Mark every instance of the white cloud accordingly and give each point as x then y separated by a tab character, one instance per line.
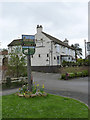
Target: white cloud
61	19
43	0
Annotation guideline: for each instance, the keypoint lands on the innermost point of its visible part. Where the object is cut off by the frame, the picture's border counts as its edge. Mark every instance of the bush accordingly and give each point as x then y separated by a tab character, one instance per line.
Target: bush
67	75
80	62
63	76
85	73
71	75
8	82
79	74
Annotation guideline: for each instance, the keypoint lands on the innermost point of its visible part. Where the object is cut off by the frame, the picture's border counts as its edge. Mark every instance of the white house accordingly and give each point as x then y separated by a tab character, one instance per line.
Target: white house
49	50
3	62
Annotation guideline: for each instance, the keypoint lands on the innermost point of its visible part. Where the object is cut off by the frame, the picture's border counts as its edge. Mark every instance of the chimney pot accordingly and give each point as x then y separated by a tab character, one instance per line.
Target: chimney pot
39	28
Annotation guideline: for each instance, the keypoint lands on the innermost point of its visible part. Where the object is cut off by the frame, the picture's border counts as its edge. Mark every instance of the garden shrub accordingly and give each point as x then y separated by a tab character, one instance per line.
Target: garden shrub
8	82
85	73
71	75
79	74
63	76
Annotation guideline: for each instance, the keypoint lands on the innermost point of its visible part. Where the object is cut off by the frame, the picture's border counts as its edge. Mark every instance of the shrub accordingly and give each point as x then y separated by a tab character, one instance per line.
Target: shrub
63	76
71	75
79	74
85	73
8	82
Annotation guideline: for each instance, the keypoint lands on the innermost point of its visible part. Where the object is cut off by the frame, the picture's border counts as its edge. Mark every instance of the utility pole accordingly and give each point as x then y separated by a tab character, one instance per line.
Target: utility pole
85	47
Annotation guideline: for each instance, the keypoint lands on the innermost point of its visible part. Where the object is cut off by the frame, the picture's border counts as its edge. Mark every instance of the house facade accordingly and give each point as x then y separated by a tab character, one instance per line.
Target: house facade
3	62
50	51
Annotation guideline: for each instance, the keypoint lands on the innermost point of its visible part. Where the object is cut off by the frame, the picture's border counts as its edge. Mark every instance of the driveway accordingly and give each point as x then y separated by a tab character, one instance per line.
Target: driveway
75	88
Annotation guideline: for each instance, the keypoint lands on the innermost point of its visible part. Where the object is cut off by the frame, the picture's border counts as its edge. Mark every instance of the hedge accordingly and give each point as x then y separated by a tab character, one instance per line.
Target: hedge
73	75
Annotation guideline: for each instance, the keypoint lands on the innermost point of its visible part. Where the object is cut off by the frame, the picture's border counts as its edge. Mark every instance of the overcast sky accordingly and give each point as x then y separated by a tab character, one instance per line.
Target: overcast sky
60	19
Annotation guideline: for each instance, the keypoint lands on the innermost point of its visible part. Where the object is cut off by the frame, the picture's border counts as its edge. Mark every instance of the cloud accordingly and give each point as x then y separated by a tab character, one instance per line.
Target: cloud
60	19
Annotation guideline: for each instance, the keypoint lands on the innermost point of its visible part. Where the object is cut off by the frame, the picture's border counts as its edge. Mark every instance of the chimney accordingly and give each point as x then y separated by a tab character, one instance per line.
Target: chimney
39	28
66	41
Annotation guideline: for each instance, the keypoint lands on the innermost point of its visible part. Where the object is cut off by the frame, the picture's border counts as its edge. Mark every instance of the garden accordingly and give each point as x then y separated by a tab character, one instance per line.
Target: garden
36	91
39	104
72	75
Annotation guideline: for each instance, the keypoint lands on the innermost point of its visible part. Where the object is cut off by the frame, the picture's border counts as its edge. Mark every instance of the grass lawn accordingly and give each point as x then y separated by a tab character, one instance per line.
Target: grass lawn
51	106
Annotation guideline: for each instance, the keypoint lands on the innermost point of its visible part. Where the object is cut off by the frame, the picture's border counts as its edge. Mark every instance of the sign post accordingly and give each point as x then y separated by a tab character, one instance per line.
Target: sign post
28	48
29	72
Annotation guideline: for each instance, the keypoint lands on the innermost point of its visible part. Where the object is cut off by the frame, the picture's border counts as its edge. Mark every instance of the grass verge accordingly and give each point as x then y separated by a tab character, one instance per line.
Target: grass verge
51	106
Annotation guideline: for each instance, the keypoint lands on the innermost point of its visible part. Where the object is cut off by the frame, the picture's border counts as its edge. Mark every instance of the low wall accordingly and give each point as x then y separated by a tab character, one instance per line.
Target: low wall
58	69
73	69
46	69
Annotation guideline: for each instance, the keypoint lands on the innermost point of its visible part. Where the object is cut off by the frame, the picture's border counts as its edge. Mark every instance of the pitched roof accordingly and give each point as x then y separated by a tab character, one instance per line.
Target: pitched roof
15	42
57	40
4	53
18	42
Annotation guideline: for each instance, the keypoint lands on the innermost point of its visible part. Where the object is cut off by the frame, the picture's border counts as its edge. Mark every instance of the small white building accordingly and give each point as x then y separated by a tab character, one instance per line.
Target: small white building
50	51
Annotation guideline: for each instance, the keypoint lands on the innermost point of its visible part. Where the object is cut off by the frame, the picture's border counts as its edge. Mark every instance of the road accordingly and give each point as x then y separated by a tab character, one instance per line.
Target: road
75	88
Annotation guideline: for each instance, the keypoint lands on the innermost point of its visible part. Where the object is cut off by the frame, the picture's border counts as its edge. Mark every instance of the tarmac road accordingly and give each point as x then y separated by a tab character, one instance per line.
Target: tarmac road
75	88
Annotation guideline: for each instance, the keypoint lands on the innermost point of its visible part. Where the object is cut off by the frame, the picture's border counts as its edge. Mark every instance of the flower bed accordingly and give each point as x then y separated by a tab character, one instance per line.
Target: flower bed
36	91
74	75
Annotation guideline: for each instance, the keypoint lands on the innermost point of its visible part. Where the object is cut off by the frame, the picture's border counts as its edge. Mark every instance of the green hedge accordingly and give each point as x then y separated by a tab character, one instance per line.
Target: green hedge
73	75
85	73
80	62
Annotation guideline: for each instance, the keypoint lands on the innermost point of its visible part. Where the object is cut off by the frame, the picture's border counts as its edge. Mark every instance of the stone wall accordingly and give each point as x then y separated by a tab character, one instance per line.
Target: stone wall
58	69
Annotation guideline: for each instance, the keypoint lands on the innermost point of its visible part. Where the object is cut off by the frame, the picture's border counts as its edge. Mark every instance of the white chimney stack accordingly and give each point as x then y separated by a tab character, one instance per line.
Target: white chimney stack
39	28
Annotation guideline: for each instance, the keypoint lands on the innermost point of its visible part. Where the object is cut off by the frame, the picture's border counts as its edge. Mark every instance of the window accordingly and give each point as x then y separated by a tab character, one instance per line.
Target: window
47	60
47	55
54	58
39	55
57	59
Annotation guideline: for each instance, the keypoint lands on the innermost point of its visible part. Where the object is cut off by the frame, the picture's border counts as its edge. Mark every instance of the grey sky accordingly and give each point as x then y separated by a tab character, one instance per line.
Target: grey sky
60	19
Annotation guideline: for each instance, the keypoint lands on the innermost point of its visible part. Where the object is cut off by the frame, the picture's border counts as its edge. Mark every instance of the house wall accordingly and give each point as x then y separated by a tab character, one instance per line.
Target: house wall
47	53
43	49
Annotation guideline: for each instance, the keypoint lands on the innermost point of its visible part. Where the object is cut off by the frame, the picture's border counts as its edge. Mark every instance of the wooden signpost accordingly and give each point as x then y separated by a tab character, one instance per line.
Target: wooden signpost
28	48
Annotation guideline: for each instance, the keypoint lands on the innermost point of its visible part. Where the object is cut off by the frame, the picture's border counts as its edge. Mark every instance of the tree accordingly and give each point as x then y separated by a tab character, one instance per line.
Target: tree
4	50
16	63
78	50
